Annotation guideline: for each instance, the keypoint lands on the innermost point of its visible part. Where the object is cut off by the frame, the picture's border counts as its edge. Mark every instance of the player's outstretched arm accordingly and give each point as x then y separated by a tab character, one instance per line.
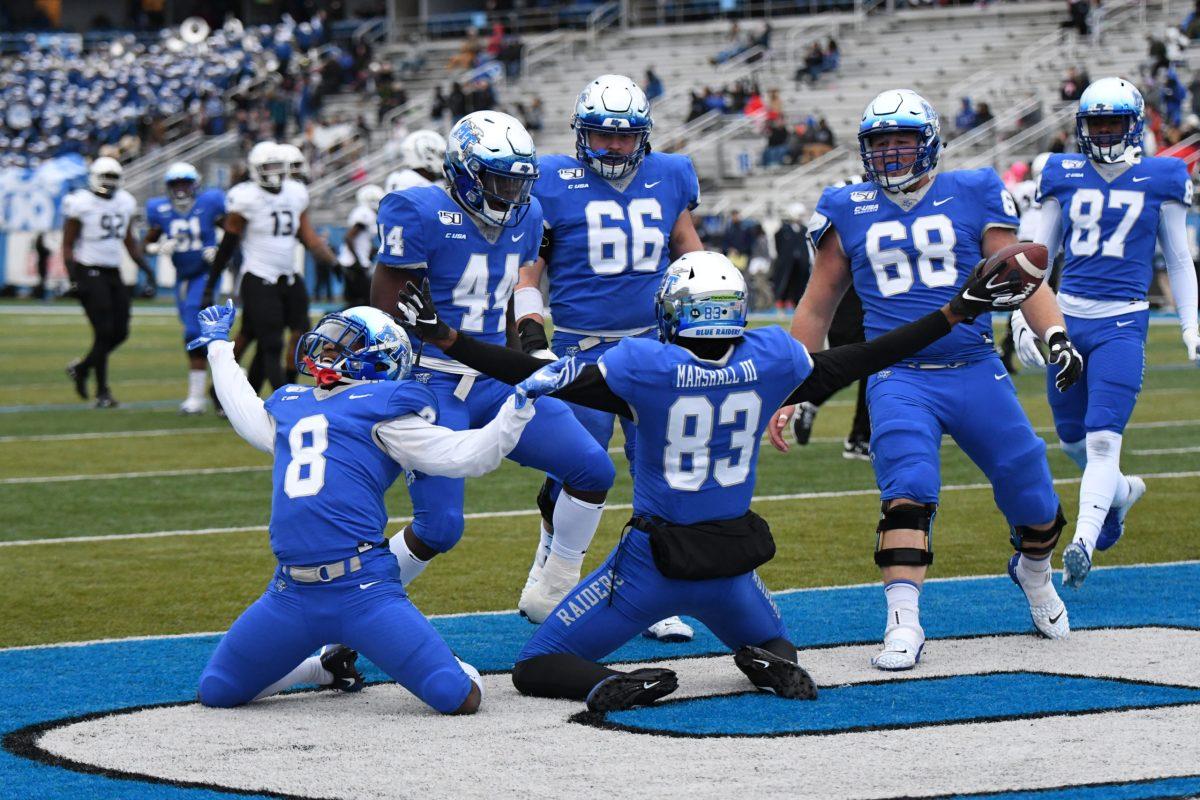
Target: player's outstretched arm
434	450
243	407
1181	272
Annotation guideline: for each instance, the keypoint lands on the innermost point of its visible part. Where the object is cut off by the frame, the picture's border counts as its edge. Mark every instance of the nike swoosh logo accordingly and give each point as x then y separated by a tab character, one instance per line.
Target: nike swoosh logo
358	396
1123	324
650	684
1139	180
1056	619
652	185
946	200
518	238
1001	376
367	585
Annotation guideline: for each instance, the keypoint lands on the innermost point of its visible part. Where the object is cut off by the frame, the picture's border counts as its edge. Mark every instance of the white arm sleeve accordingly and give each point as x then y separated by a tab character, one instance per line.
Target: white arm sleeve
1181	272
435	450
242	406
1046	227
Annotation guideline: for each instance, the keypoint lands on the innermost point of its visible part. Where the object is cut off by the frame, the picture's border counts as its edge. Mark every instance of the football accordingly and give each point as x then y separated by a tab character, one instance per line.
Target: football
1025	260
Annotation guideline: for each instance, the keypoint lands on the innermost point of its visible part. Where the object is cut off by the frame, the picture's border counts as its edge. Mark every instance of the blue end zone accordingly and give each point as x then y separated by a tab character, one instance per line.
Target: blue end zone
50	683
901	704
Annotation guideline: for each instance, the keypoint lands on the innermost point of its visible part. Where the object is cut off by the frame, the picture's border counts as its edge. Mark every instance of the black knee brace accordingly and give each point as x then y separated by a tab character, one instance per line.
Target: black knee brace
905	517
1038	544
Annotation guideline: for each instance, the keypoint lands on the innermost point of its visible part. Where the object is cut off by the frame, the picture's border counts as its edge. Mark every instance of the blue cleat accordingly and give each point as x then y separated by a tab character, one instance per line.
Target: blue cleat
1114	524
1076	565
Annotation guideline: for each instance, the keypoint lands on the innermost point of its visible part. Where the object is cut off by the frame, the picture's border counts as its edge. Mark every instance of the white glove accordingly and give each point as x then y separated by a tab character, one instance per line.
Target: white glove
1026	342
1191	340
209	254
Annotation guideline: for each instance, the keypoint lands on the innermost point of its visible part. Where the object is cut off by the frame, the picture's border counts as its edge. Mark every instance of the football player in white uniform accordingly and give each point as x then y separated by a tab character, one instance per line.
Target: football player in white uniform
358	247
96	227
421	156
266	215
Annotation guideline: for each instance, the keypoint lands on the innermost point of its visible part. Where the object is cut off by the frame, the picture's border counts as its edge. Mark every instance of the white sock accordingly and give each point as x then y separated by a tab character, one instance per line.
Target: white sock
309	671
1077	452
410	565
197	383
903	604
1035	578
545	538
575	523
473	674
1102	480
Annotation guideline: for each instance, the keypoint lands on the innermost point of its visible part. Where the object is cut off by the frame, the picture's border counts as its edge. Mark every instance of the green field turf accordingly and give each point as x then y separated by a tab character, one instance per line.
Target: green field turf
184	583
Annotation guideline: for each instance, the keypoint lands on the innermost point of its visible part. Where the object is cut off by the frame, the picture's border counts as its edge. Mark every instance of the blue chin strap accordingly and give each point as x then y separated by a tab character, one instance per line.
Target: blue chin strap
923	158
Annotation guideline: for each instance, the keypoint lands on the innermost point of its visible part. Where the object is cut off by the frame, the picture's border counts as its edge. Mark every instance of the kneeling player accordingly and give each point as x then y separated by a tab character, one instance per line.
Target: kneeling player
338	448
696	398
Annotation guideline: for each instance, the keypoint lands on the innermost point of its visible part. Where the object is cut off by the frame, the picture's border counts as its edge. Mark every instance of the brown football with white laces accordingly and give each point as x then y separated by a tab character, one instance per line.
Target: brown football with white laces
1026	261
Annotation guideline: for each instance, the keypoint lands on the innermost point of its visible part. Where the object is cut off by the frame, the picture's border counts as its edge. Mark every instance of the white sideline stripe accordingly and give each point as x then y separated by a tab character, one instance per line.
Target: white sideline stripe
456	614
163	473
73	437
1164	451
768	498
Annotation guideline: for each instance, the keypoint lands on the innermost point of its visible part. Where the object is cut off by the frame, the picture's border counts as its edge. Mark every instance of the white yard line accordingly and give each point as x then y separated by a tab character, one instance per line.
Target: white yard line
1164	451
162	473
80	437
768	498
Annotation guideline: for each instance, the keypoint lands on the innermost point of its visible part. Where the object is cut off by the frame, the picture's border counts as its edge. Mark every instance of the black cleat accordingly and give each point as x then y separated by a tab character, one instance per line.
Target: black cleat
339	661
78	375
857	449
106	400
802	424
774	674
631	689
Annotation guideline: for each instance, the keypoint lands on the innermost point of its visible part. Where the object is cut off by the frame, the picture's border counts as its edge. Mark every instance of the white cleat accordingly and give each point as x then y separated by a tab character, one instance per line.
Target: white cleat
557	578
902	646
193	406
535	573
672	630
1046	608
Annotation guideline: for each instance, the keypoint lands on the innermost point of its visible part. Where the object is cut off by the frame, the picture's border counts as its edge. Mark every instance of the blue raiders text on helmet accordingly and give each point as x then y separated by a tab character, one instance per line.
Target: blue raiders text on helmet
1110	98
897	168
703	295
491	166
612	104
361	343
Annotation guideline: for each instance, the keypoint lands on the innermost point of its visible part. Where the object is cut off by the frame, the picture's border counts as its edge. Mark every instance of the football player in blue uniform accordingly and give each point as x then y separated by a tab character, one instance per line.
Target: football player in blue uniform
615	215
907	241
188	218
697	397
469	238
1107	206
338	447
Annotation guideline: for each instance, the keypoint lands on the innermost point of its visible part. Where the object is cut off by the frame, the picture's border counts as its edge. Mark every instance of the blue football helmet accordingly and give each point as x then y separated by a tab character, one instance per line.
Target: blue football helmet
1105	99
702	296
182	180
900	110
361	343
491	166
612	104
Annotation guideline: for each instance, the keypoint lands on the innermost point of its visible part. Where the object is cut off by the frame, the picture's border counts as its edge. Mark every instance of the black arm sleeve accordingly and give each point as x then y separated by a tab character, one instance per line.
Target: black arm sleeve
839	367
513	366
546	245
225	251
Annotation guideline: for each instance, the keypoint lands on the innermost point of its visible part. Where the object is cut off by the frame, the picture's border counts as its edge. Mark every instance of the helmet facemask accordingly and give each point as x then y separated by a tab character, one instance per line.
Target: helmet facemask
182	193
893	166
604	161
341	348
1105	137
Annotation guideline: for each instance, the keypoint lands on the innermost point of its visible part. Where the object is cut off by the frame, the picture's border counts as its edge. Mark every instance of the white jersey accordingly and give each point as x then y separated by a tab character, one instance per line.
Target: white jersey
363	250
272	225
405	179
104	222
1025	193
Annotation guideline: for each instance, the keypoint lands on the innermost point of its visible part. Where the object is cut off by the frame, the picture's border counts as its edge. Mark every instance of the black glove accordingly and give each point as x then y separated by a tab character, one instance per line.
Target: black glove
418	311
983	292
533	336
1063	353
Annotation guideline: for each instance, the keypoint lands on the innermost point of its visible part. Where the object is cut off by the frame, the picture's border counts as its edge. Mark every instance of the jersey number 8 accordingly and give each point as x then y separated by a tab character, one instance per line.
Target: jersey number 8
305	475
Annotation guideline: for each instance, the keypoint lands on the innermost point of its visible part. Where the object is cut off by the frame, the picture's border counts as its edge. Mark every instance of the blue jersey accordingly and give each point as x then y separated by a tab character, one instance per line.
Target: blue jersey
330	474
608	248
906	264
699	424
470	278
1109	228
191	232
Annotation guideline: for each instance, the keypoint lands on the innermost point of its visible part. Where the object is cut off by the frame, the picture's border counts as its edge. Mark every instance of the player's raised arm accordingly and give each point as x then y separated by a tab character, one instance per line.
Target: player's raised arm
243	407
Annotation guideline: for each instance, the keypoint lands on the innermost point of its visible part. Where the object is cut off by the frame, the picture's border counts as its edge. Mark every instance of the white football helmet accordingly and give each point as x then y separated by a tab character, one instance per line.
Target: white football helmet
370	196
703	295
423	149
297	164
104	176
268	167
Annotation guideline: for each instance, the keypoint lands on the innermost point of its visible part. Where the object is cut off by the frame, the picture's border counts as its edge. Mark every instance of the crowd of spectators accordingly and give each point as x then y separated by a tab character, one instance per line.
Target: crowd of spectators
742	42
819	60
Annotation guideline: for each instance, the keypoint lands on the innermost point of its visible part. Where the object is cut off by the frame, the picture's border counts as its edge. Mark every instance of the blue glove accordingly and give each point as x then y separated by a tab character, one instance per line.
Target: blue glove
549	378
215	322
